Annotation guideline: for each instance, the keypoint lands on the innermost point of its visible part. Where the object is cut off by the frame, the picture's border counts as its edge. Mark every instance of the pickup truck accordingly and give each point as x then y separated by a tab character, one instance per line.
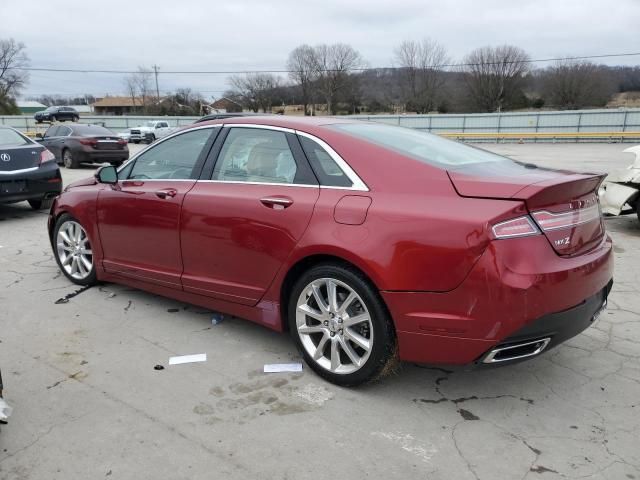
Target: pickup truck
150	131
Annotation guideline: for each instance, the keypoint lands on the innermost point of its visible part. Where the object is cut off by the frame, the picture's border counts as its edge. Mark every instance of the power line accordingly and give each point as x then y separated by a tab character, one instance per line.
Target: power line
362	69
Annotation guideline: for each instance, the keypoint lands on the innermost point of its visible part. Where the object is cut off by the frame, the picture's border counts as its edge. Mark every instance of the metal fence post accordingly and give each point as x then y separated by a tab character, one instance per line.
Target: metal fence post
624	121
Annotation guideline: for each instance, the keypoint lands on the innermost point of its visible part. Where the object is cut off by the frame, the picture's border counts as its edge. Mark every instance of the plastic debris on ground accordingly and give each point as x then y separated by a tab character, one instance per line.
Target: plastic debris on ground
5	411
158	367
282	367
198	357
217	318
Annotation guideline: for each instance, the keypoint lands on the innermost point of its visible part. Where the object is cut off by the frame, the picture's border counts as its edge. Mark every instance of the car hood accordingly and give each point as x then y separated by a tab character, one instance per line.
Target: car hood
81	183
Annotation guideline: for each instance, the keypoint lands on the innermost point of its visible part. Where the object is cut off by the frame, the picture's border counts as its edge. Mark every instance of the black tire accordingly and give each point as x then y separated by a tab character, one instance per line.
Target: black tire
68	160
136	141
75	119
53	118
89	280
638	207
151	138
41	204
382	358
117	164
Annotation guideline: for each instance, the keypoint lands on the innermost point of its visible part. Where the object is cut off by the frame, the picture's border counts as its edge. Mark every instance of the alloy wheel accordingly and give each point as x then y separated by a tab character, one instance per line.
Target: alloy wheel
334	325
74	250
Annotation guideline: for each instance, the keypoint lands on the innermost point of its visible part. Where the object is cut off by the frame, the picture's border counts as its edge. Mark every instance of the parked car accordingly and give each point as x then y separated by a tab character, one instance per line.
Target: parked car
150	131
366	241
620	192
28	171
61	114
126	135
76	144
5	409
221	116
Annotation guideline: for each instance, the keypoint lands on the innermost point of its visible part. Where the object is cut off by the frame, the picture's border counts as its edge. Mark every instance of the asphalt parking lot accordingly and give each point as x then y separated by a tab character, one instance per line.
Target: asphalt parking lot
88	403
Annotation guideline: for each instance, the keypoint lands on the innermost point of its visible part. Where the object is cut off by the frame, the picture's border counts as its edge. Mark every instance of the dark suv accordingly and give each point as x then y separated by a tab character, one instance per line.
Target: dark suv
52	114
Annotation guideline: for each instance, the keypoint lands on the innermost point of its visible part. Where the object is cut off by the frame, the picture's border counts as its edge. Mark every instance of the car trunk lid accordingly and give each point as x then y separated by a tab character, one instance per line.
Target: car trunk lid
19	157
563	204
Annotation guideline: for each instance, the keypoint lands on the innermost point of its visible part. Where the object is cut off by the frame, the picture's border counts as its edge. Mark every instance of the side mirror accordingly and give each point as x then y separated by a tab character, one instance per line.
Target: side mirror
39	136
107	174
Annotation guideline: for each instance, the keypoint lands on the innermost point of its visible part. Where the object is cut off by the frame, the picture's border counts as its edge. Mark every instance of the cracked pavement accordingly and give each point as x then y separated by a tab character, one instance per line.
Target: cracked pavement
89	404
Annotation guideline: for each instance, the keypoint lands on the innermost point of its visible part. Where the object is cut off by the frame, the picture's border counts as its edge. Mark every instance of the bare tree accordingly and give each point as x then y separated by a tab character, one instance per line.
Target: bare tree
421	73
494	75
131	87
303	71
255	90
573	84
142	80
334	65
13	59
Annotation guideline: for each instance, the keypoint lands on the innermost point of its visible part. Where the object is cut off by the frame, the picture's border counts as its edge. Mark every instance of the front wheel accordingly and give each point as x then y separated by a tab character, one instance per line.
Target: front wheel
72	249
75	119
68	160
341	325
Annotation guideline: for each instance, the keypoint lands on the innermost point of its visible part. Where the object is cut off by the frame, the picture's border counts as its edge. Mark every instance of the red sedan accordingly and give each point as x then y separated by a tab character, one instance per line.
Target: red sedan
368	242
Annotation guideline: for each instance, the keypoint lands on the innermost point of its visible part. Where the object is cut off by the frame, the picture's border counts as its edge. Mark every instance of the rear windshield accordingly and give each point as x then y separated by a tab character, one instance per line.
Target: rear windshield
11	138
91	130
422	146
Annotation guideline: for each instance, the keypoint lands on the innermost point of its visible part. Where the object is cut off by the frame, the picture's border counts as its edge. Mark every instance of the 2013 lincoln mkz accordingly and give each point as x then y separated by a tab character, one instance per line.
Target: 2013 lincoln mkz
367	242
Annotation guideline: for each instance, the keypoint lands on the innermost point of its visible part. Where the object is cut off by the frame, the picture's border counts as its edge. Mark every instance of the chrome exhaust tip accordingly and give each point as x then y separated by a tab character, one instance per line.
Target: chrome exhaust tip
516	351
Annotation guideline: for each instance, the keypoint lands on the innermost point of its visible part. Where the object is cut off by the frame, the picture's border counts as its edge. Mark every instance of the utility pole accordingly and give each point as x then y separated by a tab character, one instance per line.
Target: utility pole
155	70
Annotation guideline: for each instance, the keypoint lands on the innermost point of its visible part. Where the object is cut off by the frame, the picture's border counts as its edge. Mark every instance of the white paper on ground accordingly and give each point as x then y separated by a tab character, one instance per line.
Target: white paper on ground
5	410
282	367
198	357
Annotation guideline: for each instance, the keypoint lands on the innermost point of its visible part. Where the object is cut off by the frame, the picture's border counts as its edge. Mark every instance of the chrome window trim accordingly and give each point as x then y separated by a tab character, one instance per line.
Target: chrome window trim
357	182
23	170
303	185
163	139
261	127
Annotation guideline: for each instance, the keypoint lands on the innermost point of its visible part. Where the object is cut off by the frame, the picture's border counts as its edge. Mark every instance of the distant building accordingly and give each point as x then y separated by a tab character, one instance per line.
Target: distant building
29	106
225	105
117	105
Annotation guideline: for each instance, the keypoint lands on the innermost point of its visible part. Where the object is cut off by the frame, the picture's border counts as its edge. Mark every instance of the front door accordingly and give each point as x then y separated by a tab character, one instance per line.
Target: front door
239	227
139	217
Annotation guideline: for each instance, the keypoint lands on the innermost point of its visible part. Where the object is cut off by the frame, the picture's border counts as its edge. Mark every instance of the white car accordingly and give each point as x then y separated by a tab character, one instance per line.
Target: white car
150	131
620	192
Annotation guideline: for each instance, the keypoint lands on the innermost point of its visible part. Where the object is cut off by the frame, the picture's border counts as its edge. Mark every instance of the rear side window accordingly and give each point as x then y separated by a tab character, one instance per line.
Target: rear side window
11	138
325	167
257	156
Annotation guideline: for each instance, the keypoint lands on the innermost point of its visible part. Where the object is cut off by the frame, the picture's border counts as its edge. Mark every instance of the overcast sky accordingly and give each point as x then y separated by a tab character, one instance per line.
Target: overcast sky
245	35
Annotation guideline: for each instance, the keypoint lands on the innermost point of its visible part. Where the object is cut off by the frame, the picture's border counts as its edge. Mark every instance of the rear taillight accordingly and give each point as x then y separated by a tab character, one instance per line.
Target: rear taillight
122	141
517	227
89	141
553	221
46	156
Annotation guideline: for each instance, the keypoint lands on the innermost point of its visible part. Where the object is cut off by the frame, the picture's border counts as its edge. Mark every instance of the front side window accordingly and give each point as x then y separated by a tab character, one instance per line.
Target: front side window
172	159
256	155
51	131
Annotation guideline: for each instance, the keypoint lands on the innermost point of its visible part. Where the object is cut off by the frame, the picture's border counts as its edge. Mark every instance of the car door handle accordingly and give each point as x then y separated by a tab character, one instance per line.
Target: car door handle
166	192
276	203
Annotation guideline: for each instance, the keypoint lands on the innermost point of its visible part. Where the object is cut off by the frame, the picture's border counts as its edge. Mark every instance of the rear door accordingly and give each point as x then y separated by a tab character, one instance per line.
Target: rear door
241	223
139	217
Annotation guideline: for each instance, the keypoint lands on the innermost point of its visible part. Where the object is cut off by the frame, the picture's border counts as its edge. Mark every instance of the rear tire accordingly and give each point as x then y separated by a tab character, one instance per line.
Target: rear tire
76	119
72	249
68	160
41	204
348	341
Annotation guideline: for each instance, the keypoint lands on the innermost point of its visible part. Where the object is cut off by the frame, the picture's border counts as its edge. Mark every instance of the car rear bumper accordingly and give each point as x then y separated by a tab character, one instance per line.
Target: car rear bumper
97	156
45	181
511	293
